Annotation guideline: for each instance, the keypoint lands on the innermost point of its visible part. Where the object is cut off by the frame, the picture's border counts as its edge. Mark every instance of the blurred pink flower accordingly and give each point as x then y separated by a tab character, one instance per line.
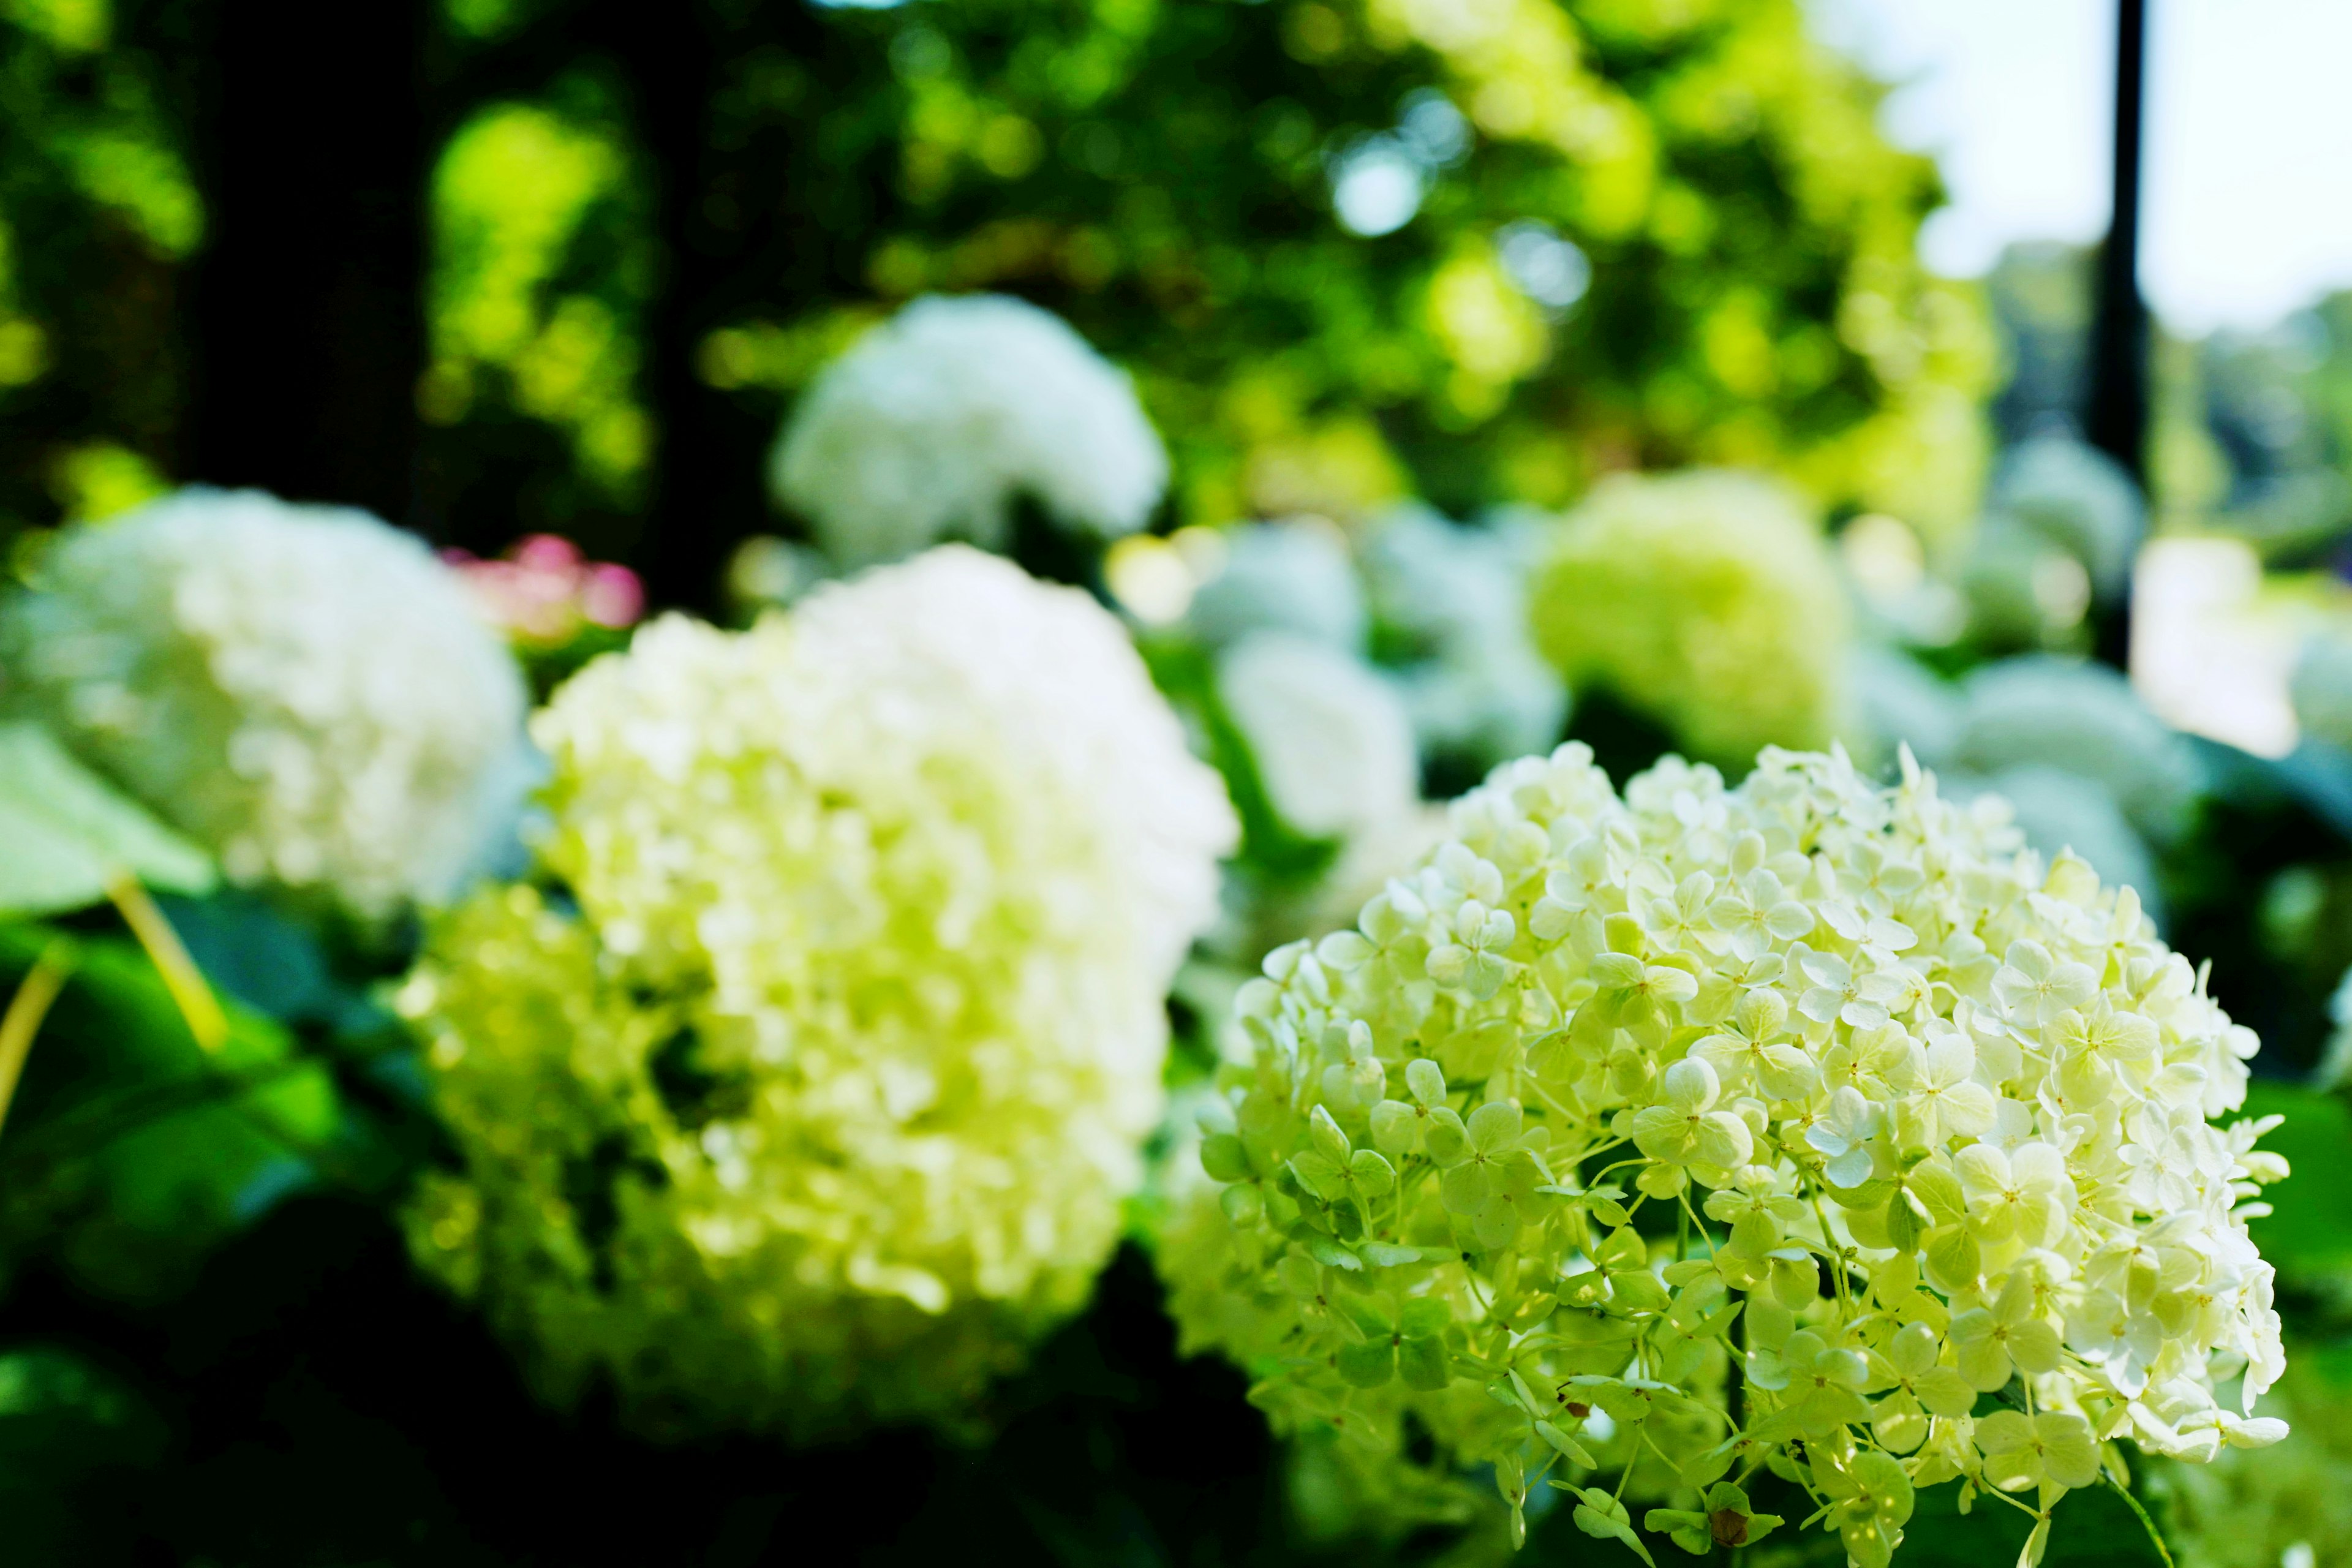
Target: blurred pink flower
542	591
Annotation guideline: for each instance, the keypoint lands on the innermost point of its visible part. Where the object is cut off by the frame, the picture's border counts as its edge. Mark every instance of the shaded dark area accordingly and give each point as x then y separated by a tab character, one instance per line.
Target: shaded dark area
309	321
2265	820
309	1384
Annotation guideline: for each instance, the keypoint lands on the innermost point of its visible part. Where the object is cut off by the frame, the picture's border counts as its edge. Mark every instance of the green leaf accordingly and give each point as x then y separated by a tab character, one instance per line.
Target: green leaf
1604	1517
1369	1364
1424	1364
2310	1232
68	832
1332	1255
1272	851
1222	1157
1423	1317
1566	1447
130	1149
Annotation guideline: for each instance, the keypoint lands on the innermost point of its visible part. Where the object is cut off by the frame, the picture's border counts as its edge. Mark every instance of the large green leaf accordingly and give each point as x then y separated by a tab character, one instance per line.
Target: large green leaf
130	1149
2309	1234
66	832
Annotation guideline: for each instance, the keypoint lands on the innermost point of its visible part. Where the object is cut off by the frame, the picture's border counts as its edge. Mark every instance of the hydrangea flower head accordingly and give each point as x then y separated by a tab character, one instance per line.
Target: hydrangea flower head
2061	811
2078	498
303	689
2084	718
1707	600
1291	577
1828	1082
1451	601
804	1084
933	423
1331	740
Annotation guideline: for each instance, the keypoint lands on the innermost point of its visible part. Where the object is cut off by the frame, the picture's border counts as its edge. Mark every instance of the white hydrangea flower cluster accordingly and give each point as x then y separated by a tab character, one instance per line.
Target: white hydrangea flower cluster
2083	718
2070	493
1811	1124
1332	745
1706	599
804	1085
1284	619
1457	598
1296	576
1294	612
2061	533
303	689
2068	743
934	422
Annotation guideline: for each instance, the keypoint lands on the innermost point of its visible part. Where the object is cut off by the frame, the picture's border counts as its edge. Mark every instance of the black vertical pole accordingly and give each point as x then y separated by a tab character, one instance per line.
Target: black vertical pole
672	57
309	323
2116	419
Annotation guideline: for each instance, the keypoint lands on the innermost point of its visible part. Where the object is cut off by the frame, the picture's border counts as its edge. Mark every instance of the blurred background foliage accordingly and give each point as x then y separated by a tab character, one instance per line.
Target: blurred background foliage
1352	251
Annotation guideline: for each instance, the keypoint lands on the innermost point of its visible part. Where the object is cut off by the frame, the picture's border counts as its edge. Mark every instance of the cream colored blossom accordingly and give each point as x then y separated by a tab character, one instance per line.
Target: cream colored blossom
1927	1116
935	422
304	689
1706	600
1331	741
802	1083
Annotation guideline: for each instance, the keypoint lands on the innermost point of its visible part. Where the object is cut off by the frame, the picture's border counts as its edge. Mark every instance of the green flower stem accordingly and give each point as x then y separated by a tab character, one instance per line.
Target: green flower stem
2155	1536
27	1008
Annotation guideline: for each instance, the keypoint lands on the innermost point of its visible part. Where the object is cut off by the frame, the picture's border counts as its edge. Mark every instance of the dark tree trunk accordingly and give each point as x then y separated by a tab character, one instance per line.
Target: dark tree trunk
672	59
309	324
2116	419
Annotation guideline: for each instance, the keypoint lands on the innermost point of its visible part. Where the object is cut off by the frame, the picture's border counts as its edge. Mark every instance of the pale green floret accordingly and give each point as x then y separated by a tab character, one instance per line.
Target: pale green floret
1708	601
1834	1083
804	1084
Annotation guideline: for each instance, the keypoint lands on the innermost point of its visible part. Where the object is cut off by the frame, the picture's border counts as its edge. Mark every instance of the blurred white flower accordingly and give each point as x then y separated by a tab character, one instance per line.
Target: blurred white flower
1898	701
2212	649
1457	598
2321	690
1332	742
2086	720
304	689
2079	498
1292	576
935	422
2021	587
2335	1062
